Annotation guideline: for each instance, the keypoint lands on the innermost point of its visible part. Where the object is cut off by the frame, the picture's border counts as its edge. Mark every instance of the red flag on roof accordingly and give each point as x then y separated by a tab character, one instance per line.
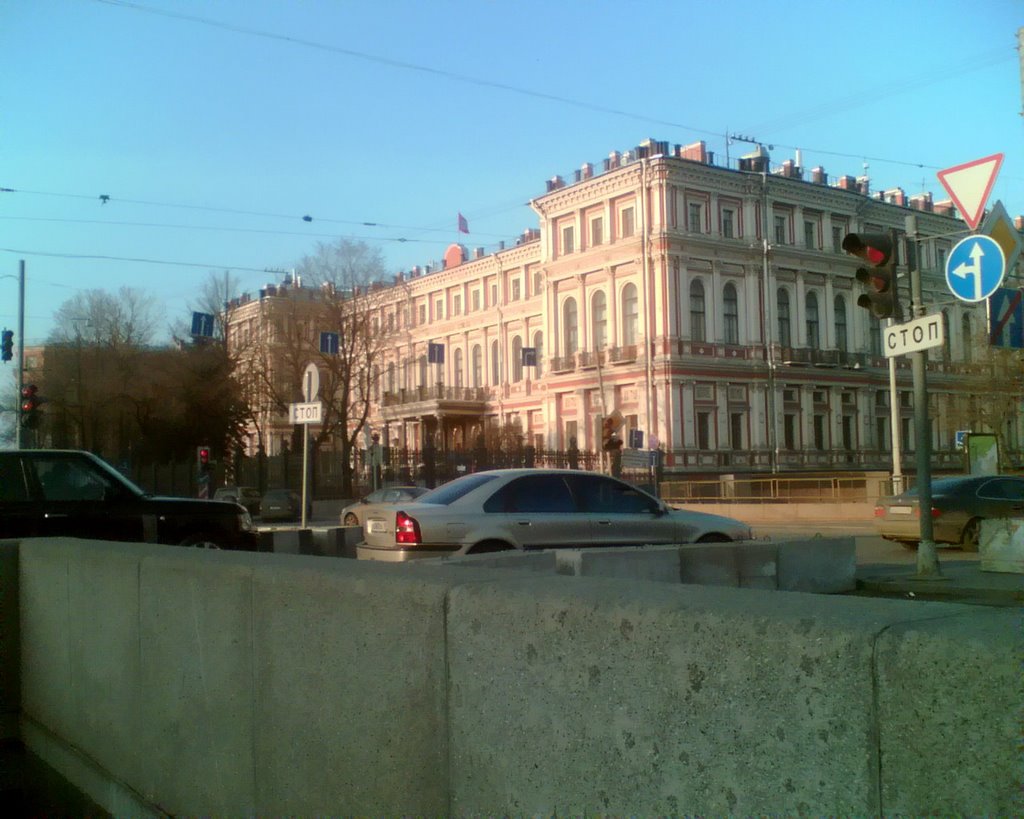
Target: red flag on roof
463	224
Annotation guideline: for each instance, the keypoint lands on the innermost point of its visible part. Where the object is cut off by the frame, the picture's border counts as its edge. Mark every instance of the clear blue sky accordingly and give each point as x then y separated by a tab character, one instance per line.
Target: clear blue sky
405	113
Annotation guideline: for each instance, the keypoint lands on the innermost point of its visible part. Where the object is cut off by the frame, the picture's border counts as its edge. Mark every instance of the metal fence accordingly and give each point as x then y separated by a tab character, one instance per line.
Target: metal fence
861	488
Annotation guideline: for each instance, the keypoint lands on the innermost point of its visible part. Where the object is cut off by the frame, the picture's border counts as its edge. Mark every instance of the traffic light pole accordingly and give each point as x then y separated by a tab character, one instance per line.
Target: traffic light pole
21	351
927	555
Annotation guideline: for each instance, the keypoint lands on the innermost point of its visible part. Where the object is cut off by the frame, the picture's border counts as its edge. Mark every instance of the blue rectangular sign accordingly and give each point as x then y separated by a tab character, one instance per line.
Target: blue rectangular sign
202	325
435	353
329	343
1006	318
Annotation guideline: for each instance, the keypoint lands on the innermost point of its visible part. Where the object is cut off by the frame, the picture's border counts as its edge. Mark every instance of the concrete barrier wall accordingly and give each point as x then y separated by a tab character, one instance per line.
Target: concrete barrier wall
227	683
10	641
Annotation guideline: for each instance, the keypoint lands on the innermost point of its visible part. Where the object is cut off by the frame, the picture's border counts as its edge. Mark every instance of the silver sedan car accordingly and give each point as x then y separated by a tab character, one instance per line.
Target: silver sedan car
522	509
351	515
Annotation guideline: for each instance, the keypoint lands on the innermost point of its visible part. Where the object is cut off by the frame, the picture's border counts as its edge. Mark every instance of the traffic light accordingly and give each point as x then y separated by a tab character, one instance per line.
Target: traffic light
7	345
878	250
30	406
203	458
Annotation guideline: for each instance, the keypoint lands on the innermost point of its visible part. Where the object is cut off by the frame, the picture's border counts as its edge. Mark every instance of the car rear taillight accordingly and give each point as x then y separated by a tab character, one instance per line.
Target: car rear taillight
879	511
936	512
407	530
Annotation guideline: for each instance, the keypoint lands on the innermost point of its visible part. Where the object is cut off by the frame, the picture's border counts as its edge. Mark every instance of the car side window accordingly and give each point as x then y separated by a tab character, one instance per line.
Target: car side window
600	494
13	487
68	480
547	494
1002	489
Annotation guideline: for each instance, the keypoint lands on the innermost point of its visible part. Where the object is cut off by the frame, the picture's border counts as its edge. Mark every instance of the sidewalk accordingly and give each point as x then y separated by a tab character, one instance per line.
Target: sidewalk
963	581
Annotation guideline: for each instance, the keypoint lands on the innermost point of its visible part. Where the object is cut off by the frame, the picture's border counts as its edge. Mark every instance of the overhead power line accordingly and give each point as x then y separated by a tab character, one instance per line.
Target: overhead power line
851	101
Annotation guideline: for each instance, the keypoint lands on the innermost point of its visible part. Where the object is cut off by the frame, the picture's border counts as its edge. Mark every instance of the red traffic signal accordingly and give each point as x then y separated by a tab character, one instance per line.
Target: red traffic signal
30	406
879	250
203	456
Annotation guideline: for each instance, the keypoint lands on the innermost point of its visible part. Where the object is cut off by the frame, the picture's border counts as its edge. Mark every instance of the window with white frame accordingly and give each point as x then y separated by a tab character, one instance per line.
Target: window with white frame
842	342
596	231
785	330
626	222
457	367
730	314
568	239
478	365
630	314
476	300
457	305
813	323
698	324
495	364
515	288
599	320
781	223
538	345
695	217
570	327
517	360
728	223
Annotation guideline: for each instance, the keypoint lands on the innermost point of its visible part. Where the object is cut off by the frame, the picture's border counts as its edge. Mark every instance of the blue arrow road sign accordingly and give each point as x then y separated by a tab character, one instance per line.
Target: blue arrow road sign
975	268
1006	318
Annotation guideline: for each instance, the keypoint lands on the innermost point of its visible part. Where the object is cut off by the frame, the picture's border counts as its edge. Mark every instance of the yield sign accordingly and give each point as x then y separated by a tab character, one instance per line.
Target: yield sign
970	184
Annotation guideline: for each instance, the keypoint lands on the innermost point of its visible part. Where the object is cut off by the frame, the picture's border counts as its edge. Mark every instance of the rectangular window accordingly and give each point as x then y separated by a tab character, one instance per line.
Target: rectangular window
568	240
494	294
780	230
810	235
819	432
627	222
881	431
703	430
536	282
736	430
457	305
438	309
789	431
728	223
515	289
422	315
476	300
596	231
837	239
695	218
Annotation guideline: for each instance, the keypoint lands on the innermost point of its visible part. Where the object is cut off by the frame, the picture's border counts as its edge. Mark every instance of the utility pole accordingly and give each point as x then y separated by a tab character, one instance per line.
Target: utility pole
21	351
927	555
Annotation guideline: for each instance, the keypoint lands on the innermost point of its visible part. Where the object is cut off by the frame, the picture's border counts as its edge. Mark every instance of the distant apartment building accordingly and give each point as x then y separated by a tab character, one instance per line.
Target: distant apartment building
712	307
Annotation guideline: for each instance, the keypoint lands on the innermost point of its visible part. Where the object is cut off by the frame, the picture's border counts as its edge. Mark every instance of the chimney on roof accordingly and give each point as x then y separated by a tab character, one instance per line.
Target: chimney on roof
695	152
945	208
478	253
922	202
863	185
613	161
896	196
846	183
818	176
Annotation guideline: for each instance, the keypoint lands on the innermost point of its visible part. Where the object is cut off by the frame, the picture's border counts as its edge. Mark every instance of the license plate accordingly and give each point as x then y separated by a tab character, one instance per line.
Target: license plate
377	527
900	510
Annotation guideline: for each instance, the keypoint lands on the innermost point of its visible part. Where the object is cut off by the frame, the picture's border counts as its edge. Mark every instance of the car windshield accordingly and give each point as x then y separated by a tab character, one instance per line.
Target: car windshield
450	492
277	495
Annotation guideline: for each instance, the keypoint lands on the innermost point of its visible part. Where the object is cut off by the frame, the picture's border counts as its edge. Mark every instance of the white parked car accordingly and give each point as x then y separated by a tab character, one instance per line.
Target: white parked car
523	509
352	514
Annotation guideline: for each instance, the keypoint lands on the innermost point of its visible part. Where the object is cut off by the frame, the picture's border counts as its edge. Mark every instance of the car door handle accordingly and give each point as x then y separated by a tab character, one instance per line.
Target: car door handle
604	523
50	515
523	523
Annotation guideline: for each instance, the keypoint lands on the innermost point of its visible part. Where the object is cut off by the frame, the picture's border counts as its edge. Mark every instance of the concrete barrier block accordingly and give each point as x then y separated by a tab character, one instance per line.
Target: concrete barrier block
949	712
197	683
10	641
618	698
757	564
709	565
819	565
544	562
1002	545
351	687
104	648
292	541
657	563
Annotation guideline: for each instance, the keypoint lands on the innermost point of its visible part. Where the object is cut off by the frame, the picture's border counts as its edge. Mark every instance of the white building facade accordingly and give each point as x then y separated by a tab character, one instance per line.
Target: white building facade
713	308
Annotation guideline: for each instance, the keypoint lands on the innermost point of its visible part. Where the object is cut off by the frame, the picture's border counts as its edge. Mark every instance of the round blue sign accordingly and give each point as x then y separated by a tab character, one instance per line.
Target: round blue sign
975	268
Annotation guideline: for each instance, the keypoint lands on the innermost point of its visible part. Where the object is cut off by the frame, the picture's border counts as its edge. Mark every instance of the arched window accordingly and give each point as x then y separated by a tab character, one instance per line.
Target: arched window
842	342
785	331
478	366
965	324
698	326
538	343
629	315
599	320
731	314
517	359
570	327
495	364
813	334
457	367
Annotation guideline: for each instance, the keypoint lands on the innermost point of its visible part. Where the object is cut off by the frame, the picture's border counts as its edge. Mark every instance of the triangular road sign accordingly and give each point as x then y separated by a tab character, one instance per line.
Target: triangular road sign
970	184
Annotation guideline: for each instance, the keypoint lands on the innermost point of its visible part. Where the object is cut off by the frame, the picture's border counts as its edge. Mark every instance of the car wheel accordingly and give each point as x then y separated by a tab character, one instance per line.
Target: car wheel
351	520
714	537
199	541
971	535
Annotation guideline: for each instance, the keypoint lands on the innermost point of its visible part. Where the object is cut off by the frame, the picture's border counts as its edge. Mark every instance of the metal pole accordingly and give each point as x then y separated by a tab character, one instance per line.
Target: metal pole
21	351
894	426
927	556
305	470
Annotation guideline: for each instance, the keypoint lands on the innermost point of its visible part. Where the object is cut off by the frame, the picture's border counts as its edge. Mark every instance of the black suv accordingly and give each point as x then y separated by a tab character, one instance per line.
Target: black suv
50	493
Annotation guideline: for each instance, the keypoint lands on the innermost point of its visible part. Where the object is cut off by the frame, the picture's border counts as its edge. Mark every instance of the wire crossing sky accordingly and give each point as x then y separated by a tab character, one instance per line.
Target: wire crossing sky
141	139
